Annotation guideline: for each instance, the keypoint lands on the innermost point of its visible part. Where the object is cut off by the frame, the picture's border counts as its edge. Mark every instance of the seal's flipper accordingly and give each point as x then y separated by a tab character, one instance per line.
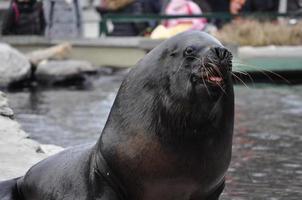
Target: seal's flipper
9	190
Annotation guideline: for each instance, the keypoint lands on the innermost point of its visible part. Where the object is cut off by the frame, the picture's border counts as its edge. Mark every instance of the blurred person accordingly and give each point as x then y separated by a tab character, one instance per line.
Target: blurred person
172	27
236	6
131	7
90	3
295	8
184	7
219	5
63	18
24	17
152	7
222	6
294	5
260	6
204	5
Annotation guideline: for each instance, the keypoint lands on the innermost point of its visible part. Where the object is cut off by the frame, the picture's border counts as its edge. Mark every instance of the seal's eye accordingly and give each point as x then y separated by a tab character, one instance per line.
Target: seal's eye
189	51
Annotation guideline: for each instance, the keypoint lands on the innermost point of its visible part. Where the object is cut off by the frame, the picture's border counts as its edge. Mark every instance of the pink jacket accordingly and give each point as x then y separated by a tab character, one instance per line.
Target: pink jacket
184	7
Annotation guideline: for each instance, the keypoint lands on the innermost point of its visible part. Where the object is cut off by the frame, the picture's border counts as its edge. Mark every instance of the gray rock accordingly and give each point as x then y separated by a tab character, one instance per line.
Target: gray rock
4	109
53	72
14	66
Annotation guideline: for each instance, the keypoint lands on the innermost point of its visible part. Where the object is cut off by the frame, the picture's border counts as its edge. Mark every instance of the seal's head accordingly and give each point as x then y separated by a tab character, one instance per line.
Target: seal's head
196	64
178	87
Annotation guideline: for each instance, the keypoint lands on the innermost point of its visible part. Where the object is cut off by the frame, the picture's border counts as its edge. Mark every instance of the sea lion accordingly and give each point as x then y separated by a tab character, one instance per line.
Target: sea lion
168	135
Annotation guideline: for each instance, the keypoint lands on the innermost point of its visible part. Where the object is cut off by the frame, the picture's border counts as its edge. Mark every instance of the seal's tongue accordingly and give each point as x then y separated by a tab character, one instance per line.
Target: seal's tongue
215	79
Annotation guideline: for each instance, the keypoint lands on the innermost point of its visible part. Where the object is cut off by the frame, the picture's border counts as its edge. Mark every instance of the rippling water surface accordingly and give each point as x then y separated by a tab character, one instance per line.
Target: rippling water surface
267	151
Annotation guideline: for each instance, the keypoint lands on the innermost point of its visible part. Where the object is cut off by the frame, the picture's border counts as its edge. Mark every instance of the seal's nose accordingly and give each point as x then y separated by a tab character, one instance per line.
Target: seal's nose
220	56
221	53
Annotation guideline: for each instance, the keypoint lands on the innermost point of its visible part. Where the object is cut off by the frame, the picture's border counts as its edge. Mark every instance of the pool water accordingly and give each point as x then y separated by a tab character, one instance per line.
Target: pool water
267	150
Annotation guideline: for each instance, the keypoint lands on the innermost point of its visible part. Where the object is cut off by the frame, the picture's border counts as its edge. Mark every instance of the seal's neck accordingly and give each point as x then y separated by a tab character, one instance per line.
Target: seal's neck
154	139
171	122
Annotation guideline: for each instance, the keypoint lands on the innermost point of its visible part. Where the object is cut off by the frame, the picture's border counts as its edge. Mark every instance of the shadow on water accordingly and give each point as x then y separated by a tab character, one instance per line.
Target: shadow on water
267	151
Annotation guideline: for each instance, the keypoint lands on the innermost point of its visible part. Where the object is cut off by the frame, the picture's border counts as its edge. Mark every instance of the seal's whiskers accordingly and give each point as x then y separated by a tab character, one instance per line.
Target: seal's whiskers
182	62
188	84
261	69
216	69
204	83
246	74
240	80
220	74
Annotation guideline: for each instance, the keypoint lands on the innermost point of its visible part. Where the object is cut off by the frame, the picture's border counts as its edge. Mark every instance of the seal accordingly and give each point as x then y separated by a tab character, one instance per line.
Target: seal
168	135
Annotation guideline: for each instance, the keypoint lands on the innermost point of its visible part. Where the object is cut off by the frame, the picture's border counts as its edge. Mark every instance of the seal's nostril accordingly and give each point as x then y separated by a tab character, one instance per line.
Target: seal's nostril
218	51
222	53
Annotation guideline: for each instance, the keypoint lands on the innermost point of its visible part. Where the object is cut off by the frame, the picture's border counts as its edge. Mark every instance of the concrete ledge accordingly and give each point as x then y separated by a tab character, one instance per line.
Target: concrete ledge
109	51
119	42
270	51
127	51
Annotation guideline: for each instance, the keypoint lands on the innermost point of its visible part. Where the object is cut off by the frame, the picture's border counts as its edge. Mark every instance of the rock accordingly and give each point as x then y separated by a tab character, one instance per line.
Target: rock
57	52
4	109
14	66
60	72
17	152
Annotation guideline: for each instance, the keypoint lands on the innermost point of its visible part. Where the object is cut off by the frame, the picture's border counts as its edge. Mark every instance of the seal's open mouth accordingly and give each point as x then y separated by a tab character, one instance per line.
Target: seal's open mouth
212	77
215	80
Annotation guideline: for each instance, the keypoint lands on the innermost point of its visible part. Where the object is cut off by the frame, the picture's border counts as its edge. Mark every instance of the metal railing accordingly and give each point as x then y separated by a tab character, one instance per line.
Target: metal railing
126	18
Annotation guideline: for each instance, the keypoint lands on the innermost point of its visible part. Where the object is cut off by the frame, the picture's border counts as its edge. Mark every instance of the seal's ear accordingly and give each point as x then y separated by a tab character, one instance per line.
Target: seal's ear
168	53
164	53
174	51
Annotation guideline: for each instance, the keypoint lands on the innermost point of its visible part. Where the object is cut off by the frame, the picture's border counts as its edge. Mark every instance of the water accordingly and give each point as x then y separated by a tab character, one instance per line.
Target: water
267	158
267	150
66	117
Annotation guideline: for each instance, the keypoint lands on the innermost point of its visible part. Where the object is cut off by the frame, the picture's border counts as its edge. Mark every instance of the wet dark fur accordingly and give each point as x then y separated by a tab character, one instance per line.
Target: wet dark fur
168	135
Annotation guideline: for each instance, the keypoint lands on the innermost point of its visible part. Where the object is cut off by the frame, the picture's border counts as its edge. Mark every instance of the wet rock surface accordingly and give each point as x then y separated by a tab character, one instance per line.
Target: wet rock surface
14	66
17	152
63	72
